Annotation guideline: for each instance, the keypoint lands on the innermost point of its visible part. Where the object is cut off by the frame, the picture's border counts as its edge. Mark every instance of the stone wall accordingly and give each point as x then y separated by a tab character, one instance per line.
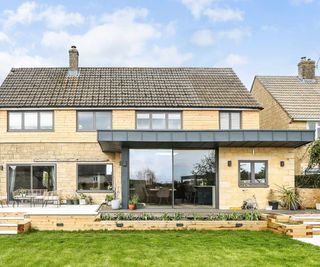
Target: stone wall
231	195
65	156
309	197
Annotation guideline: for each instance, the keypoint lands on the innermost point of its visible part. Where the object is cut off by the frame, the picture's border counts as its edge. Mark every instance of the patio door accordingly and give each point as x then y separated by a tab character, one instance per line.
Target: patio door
173	177
27	176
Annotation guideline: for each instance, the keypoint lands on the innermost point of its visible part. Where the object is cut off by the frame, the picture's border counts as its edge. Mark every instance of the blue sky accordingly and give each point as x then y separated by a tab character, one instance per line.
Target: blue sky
265	37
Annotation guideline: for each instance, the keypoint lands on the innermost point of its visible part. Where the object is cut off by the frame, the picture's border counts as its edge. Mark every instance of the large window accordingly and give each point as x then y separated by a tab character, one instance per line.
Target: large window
158	120
230	120
93	120
315	125
26	176
30	121
173	177
95	177
253	173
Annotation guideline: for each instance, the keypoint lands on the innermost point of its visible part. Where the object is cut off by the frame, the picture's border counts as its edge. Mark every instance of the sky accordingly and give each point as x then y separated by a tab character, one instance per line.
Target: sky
265	37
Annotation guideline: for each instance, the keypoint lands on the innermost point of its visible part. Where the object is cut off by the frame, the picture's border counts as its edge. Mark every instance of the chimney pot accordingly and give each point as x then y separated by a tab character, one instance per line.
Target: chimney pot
73	59
307	69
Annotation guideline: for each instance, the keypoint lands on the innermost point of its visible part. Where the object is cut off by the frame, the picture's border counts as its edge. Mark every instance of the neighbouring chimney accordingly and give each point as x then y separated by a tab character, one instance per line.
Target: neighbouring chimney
73	61
307	69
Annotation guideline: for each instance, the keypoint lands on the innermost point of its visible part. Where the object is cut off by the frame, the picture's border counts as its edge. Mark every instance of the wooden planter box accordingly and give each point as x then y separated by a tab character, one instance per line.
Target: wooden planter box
86	222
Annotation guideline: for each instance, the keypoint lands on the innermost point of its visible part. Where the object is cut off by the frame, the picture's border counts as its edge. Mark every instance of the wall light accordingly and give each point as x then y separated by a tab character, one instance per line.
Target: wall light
1	167
229	163
282	163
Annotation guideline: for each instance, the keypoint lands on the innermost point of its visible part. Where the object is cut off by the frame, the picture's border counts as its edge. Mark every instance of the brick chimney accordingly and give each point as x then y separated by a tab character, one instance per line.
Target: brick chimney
307	69
73	58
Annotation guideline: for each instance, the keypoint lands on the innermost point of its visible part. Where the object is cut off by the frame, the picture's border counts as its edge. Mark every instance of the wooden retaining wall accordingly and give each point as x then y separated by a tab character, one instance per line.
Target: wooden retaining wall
85	222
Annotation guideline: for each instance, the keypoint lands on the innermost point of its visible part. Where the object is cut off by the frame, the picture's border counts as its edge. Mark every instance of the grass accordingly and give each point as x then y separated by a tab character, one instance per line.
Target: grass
155	248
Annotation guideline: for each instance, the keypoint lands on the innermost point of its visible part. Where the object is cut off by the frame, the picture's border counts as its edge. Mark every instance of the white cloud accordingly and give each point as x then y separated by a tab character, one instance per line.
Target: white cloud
122	39
236	34
21	58
4	38
235	60
210	9
203	37
197	6
206	37
23	15
54	16
223	14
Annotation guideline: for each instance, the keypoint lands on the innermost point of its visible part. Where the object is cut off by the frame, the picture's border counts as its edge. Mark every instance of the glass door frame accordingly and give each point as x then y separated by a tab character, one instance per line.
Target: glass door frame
31	165
216	152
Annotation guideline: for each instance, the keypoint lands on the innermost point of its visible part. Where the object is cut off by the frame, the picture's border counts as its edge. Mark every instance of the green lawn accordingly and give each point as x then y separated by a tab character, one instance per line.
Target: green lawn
155	248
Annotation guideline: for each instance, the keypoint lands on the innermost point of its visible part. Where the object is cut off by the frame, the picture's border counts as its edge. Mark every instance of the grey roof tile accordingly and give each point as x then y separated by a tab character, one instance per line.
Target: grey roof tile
300	99
125	87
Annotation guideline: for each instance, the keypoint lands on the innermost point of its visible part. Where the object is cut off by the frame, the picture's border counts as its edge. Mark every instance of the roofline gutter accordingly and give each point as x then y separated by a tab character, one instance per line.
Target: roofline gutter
126	108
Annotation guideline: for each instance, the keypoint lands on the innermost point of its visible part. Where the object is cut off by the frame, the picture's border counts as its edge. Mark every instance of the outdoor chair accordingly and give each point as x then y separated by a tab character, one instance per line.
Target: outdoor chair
51	197
163	193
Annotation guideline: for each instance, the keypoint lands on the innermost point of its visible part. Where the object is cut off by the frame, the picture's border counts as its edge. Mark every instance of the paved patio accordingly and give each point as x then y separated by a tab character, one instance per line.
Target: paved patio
54	210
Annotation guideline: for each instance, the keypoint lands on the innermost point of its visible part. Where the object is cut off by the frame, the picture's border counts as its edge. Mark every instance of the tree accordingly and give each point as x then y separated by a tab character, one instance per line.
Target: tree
205	166
314	152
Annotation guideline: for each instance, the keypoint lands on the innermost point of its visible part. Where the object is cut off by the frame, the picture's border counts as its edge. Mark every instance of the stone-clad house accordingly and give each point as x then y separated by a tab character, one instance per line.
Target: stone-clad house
186	137
291	102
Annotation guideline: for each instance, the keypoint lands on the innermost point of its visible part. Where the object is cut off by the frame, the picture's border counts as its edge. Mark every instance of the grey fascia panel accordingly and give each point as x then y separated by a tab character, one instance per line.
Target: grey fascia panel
280	136
294	136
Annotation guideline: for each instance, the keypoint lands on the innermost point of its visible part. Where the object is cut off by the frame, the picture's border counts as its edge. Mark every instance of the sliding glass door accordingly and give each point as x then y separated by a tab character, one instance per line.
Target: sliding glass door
28	176
194	177
151	175
173	177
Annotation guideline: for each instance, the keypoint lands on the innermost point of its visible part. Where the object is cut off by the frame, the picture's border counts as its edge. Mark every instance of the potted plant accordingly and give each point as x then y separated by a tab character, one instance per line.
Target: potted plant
82	199
289	197
75	200
69	200
108	199
133	202
273	203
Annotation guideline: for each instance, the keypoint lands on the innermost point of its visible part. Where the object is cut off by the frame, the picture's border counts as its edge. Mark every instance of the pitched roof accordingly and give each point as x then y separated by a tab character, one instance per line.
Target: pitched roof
300	99
125	87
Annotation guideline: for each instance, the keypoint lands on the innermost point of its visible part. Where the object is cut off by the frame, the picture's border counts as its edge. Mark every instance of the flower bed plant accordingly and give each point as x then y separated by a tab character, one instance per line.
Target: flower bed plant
178	216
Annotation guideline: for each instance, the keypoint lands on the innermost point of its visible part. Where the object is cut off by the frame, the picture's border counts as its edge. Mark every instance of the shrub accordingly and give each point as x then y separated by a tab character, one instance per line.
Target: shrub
307	181
234	216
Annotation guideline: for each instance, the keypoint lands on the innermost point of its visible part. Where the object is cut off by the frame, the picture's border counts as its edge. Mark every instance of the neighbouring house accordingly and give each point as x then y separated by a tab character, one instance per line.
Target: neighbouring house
182	137
291	102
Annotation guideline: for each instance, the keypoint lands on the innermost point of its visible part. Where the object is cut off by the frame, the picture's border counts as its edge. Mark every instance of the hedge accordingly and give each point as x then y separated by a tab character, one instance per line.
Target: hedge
307	181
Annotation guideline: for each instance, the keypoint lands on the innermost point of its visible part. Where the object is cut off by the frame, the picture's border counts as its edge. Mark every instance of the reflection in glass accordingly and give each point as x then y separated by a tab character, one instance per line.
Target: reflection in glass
103	120
260	172
85	120
194	177
193	181
15	120
174	121
30	120
245	172
158	121
94	177
143	121
151	175
31	177
46	121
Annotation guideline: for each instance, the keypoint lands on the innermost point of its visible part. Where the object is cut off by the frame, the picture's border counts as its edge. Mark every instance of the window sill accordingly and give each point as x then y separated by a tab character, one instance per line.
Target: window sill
253	186
95	191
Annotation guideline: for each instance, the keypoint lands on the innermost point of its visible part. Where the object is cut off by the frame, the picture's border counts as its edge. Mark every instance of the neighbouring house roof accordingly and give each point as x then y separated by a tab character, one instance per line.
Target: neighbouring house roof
300	99
125	87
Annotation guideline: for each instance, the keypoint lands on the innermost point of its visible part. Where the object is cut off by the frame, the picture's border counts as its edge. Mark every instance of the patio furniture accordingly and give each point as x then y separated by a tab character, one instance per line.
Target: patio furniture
163	193
51	197
28	195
